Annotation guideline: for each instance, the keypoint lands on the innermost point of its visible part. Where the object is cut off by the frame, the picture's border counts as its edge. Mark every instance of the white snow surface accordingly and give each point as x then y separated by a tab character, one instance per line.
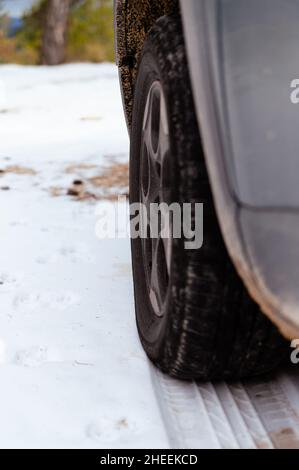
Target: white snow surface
72	371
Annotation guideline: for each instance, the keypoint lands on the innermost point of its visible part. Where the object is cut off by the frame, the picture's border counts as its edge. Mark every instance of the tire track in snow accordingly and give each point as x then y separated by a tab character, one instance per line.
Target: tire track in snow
253	414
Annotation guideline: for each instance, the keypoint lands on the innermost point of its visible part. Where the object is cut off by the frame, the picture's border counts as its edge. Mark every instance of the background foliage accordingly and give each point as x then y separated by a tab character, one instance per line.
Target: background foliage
89	38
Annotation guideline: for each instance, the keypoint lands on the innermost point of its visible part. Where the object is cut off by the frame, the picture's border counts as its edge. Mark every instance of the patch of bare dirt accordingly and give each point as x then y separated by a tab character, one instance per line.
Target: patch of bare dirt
90	118
116	175
8	110
111	183
57	191
18	170
77	167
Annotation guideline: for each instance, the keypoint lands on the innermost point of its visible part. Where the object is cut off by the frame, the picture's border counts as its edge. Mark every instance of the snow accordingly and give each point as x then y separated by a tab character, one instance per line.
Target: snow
73	373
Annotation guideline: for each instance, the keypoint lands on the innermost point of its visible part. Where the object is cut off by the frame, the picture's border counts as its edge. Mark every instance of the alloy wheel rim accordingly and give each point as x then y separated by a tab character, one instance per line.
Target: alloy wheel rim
155	188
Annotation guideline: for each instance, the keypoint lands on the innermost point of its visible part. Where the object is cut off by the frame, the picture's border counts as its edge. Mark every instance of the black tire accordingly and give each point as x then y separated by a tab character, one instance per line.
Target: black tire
210	327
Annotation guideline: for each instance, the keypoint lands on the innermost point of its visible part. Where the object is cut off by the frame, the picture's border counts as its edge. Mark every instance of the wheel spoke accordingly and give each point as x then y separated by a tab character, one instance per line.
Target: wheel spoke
154	279
158	275
163	147
166	177
167	244
151	122
154	180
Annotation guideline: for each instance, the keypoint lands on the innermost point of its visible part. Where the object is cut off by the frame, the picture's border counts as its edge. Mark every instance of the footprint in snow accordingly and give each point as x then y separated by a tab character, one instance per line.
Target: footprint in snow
32	357
10	280
53	300
77	253
18	223
35	356
107	429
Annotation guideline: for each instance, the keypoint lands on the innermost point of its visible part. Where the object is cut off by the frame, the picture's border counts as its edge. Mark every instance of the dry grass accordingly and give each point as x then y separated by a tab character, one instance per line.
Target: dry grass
111	183
90	118
116	176
18	170
11	52
56	191
77	167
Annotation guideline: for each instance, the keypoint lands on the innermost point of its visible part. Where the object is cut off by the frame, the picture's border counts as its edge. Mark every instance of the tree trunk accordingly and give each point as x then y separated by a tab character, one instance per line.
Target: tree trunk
54	32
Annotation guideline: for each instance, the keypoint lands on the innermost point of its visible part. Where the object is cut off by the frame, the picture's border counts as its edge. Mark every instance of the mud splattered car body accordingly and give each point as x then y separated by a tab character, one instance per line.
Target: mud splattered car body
241	60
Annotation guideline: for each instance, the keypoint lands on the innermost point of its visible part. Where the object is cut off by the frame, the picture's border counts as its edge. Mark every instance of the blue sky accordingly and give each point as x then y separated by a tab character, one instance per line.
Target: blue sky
17	7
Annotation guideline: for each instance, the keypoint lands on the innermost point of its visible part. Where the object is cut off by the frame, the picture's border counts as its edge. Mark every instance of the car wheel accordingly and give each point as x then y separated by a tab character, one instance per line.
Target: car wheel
194	316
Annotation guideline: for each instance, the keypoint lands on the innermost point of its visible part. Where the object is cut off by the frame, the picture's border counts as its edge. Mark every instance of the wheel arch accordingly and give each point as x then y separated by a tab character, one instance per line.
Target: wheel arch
133	20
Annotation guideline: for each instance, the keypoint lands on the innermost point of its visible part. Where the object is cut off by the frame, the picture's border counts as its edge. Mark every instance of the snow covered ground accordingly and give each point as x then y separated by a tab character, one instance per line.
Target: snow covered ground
72	371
